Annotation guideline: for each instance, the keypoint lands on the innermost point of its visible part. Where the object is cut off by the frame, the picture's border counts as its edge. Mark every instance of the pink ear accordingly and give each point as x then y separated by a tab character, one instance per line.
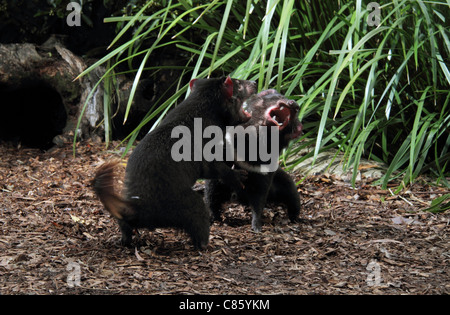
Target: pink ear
228	87
191	84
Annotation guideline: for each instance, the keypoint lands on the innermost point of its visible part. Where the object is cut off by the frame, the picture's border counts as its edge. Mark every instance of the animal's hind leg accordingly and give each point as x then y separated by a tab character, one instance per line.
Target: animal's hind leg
194	218
257	195
216	194
284	190
127	233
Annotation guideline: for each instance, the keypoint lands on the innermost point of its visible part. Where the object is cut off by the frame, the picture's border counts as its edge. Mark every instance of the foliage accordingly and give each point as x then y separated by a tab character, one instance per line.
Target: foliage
440	204
375	91
35	21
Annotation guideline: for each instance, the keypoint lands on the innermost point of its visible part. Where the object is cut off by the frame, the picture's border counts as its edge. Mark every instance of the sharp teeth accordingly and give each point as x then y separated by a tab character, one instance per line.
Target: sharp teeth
282	107
274	118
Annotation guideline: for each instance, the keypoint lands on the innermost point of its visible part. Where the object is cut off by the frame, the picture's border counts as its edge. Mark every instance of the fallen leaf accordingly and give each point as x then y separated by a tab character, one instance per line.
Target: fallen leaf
136	253
76	219
406	221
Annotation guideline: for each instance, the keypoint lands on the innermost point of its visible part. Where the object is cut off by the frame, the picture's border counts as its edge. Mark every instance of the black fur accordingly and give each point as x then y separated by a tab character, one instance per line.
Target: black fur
262	187
158	190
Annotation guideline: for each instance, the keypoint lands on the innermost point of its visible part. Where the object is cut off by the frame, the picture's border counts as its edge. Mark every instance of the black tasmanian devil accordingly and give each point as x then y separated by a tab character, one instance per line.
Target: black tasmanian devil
157	189
268	108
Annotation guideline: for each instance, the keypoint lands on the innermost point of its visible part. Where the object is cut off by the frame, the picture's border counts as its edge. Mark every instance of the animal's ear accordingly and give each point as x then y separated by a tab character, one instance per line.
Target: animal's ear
191	84
228	87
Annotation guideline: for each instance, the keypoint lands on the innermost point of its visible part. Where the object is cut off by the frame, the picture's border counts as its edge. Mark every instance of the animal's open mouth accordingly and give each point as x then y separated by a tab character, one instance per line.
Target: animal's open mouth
278	115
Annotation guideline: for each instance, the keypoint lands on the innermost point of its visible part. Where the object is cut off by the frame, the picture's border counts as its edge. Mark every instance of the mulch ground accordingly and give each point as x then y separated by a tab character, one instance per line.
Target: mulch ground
56	238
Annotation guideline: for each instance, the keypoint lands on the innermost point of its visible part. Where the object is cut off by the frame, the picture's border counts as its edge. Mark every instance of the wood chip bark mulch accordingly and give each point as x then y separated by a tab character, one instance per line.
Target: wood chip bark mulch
56	238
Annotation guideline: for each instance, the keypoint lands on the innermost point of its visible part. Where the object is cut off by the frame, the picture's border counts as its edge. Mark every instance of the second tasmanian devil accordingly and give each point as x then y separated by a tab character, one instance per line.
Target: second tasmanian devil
268	108
158	190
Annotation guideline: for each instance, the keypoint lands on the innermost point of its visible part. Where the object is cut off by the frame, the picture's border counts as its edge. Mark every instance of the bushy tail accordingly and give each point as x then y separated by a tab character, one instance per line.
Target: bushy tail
103	184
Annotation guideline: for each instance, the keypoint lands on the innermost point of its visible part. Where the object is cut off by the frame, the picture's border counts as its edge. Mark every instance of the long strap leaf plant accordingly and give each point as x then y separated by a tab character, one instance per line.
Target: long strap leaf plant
377	91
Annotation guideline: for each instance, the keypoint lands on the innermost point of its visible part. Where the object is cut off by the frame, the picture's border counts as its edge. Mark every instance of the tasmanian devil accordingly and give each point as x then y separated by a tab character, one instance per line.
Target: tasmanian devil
157	189
268	108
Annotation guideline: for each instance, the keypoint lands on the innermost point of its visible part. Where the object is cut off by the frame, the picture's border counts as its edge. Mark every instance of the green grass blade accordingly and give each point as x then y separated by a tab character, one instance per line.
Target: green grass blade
220	34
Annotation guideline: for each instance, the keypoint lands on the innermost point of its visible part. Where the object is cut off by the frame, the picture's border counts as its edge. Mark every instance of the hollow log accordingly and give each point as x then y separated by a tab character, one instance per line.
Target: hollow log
39	99
40	102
